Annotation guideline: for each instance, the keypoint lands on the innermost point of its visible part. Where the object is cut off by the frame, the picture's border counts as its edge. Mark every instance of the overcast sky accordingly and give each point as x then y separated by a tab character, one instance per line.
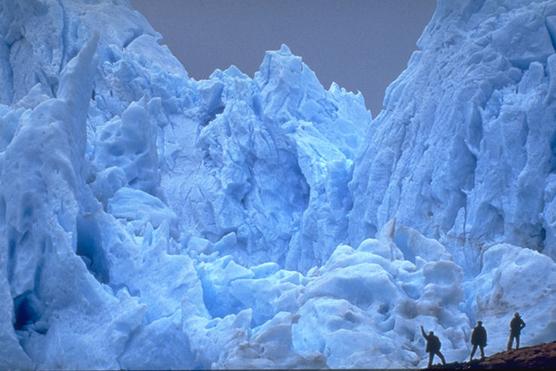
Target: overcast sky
361	44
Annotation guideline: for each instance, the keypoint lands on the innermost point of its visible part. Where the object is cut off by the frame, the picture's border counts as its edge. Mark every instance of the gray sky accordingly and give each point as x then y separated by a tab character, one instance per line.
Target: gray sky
361	44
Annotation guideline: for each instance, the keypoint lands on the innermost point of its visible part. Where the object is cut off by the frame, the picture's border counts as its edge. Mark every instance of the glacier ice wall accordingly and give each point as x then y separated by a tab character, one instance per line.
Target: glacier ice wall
251	140
464	148
148	220
72	274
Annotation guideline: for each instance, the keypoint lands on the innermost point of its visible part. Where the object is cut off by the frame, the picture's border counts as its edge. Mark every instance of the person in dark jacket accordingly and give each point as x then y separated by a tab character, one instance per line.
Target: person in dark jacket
516	325
433	346
478	339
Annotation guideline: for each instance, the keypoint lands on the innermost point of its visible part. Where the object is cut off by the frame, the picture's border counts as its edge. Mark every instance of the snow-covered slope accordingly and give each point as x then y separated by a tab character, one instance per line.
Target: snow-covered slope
148	220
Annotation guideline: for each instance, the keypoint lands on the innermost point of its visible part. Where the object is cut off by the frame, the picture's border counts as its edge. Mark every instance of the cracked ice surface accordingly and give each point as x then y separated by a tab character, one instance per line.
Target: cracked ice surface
148	220
475	148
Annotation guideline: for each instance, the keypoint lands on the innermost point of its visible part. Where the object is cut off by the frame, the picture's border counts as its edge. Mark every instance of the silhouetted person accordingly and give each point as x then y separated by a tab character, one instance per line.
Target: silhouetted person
433	346
516	325
478	339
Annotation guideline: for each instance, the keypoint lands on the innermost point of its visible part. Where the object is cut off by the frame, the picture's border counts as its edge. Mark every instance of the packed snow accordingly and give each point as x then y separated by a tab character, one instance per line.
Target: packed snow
149	220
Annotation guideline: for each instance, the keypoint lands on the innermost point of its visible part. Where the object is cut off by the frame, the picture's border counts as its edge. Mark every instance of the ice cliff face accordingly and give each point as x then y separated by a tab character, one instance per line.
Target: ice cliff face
264	163
467	132
148	220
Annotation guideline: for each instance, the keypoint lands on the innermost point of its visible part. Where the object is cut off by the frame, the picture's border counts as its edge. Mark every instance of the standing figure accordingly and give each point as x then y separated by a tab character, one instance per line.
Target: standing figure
516	325
433	346
478	339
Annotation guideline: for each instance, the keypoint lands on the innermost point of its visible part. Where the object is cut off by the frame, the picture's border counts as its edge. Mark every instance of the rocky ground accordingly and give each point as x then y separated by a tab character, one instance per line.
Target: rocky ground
541	356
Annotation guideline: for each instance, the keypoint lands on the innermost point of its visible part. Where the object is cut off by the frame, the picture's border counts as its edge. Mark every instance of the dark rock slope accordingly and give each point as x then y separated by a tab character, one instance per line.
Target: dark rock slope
541	357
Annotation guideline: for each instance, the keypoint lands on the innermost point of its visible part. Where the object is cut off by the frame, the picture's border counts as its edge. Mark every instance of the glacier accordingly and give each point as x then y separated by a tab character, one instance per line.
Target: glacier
149	220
